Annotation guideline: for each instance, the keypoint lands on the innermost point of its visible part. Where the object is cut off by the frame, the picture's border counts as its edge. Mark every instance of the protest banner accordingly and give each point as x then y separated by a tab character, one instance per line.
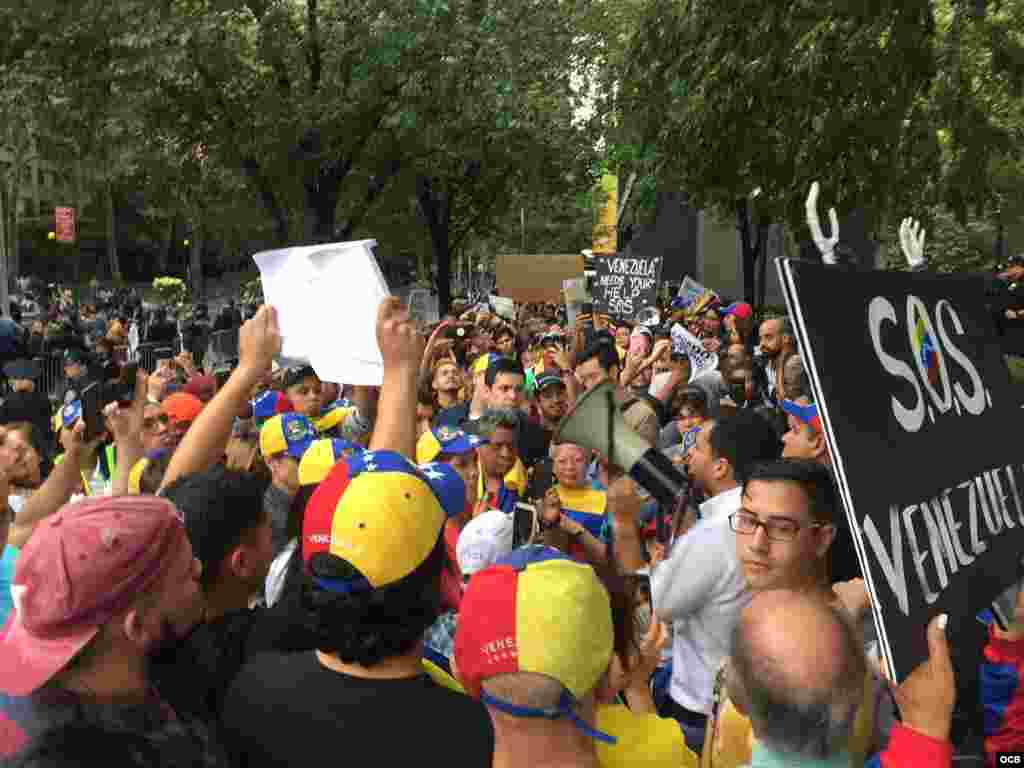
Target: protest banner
625	285
319	291
536	277
685	343
921	421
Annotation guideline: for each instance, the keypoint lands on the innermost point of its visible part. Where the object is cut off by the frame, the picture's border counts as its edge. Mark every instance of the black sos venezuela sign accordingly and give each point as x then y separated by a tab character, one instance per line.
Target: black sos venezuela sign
925	430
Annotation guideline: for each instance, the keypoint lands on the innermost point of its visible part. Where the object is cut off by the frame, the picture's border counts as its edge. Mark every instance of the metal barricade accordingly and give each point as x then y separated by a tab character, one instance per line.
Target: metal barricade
51	380
145	354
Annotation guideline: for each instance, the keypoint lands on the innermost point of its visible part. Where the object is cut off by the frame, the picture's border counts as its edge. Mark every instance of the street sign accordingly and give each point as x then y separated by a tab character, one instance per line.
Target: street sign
64	224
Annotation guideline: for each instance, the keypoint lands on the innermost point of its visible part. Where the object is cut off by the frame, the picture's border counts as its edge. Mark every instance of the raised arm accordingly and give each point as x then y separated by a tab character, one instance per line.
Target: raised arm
63	482
259	340
126	424
401	347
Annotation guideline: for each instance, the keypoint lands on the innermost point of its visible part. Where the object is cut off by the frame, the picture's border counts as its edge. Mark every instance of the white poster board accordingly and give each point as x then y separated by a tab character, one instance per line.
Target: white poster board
321	291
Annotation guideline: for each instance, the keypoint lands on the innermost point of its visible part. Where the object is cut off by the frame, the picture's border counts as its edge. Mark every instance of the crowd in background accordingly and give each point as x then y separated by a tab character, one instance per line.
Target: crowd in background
247	565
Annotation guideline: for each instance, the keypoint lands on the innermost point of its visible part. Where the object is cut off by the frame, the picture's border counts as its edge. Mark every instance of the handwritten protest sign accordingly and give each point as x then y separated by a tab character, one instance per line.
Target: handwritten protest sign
921	421
318	290
625	285
685	343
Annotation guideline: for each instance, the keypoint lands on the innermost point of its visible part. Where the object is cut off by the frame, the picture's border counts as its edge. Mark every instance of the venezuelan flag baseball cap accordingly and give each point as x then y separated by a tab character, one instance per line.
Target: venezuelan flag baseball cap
321	456
482	363
378	513
445	439
536	610
808	414
268	404
448	486
289	433
332	416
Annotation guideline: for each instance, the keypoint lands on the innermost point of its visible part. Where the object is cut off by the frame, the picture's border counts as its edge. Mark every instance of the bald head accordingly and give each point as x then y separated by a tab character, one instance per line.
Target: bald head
798	670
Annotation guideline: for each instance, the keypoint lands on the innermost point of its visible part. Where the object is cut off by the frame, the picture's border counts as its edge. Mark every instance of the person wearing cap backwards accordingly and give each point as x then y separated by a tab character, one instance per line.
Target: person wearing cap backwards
286	570
375	587
482	541
552	400
101	585
534	643
76	373
25	402
283	440
805	439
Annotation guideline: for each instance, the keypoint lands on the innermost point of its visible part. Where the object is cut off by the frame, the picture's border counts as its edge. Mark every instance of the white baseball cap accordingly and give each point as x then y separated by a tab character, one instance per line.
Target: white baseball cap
486	537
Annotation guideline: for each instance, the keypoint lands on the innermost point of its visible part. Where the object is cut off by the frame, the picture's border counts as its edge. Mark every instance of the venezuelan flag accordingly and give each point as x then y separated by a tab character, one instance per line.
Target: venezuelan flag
924	348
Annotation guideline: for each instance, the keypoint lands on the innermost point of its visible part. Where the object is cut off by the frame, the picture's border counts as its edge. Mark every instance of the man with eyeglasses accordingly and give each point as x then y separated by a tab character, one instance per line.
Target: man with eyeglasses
700	586
155	435
783	529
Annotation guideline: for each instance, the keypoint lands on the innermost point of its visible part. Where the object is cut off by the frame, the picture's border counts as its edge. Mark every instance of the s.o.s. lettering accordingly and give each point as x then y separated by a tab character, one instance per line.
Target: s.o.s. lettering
937	366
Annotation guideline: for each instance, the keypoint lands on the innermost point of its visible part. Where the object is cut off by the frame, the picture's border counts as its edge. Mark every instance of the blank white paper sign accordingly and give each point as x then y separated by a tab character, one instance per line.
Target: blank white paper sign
327	298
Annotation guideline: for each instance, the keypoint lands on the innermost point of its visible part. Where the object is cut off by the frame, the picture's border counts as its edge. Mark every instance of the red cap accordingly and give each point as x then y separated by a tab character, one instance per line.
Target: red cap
82	567
182	406
319	515
202	387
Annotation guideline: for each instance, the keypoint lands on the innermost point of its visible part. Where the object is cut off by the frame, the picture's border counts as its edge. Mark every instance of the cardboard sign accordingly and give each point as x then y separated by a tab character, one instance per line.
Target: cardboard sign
923	425
625	285
64	224
685	343
537	277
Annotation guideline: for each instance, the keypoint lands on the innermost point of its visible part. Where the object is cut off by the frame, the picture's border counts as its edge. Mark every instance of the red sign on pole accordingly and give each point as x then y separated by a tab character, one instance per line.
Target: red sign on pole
64	224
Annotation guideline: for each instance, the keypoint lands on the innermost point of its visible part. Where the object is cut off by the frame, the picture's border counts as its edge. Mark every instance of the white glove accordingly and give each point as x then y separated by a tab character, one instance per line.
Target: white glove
912	242
827	245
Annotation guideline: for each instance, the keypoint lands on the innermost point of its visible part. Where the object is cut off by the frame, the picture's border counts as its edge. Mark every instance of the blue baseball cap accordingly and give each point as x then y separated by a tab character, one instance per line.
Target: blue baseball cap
446	439
447	485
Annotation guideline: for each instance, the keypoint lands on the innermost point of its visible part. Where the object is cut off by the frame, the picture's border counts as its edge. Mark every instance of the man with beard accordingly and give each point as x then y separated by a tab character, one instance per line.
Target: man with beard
778	342
552	401
74	659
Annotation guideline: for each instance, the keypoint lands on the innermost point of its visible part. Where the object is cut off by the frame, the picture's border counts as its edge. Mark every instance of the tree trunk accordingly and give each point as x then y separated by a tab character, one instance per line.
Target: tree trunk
435	206
321	210
195	262
112	260
163	255
5	306
748	248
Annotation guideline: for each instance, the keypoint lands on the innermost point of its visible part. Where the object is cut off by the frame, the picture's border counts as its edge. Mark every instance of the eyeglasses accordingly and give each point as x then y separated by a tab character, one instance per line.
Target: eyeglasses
151	422
775	528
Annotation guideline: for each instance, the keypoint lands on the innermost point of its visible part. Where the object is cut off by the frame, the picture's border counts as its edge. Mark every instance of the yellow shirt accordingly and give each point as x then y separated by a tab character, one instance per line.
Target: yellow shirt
643	741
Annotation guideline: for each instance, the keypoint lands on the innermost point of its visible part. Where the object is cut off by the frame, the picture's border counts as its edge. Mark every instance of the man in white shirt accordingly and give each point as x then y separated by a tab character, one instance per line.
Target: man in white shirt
700	586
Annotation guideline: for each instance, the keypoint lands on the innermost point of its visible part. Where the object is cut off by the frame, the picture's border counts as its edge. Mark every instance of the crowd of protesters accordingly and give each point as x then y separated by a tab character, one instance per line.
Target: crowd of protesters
254	567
